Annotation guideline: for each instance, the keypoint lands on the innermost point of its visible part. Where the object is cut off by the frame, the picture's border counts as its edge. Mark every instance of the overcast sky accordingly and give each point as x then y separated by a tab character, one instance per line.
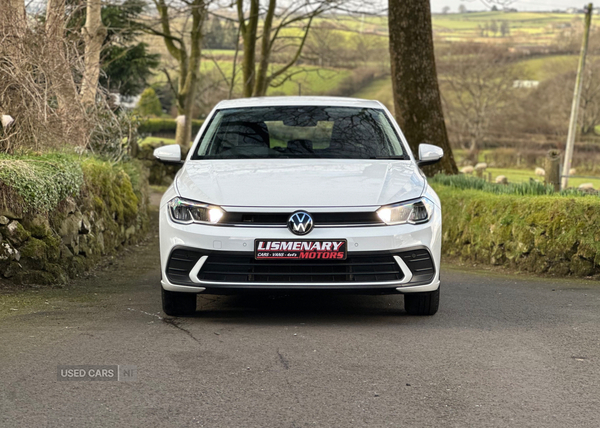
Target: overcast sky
534	5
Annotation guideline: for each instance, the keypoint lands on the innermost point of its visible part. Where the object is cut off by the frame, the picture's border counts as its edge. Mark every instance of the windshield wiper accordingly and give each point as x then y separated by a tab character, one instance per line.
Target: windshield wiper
389	157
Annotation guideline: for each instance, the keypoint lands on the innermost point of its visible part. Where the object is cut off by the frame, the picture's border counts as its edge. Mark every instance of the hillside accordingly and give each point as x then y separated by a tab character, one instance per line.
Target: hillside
353	37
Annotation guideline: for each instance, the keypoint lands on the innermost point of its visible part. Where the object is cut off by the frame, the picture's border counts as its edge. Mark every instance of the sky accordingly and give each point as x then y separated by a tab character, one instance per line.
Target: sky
532	5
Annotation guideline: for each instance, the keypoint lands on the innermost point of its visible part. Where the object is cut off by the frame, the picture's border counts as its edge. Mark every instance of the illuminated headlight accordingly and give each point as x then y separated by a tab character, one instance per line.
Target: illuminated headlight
414	212
186	212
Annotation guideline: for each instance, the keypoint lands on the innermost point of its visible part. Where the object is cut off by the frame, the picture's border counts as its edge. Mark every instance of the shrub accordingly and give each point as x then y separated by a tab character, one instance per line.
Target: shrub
161	125
113	134
149	104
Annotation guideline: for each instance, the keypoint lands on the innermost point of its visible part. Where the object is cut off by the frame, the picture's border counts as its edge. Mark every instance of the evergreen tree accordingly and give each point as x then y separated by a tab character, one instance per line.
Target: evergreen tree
126	63
149	104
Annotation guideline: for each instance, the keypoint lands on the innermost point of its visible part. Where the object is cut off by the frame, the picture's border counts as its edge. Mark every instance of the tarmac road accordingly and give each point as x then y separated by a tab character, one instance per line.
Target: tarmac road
503	351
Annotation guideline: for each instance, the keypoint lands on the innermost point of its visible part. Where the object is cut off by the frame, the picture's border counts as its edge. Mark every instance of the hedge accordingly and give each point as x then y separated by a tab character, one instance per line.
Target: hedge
160	125
543	234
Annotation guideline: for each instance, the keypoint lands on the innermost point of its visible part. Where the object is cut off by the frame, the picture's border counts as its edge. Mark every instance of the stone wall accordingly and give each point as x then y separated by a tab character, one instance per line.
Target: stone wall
48	248
551	234
159	173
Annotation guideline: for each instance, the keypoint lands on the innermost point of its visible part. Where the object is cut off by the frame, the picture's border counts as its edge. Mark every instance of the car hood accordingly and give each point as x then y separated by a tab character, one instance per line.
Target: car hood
299	182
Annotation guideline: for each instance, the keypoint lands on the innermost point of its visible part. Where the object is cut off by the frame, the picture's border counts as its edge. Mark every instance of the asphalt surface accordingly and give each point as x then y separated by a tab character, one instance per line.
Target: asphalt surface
502	351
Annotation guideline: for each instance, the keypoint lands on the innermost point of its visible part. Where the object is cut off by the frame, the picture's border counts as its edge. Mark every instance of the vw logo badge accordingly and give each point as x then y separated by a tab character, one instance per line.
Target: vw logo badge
300	223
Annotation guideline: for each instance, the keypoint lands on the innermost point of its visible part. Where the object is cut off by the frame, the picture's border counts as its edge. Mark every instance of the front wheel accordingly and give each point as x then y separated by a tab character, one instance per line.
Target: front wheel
178	304
422	303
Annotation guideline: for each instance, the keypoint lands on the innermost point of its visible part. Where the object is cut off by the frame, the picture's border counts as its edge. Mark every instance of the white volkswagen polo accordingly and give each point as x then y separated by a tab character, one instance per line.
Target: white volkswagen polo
300	193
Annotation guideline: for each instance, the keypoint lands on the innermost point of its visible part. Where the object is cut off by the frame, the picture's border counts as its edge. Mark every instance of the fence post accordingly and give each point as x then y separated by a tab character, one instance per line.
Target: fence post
552	168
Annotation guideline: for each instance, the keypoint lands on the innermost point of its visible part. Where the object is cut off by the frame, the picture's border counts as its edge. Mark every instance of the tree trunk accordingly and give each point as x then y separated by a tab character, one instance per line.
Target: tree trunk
61	76
249	36
94	33
189	69
262	84
417	100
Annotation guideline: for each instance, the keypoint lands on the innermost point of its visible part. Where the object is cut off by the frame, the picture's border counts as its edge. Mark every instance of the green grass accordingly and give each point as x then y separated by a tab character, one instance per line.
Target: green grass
218	52
529	188
547	67
311	80
316	81
524	175
154	140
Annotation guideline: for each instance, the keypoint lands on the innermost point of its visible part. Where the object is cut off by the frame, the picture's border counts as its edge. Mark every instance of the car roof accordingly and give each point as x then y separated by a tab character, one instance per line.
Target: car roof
299	101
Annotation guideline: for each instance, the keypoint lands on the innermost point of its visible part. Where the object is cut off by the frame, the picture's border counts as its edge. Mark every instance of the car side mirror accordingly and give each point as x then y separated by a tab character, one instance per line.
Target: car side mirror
168	154
429	154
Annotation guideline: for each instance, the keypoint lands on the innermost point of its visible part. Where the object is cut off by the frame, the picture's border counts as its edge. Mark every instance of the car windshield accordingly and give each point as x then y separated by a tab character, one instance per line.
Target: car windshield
300	132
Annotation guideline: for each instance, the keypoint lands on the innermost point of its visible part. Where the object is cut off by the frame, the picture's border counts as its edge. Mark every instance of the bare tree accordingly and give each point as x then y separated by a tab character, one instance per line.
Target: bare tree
494	28
30	92
327	47
13	18
590	99
62	76
275	19
185	46
94	33
417	100
477	84
505	29
495	3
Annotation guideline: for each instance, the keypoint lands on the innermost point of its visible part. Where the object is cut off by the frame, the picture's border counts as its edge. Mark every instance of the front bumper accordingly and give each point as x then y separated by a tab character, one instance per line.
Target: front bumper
211	240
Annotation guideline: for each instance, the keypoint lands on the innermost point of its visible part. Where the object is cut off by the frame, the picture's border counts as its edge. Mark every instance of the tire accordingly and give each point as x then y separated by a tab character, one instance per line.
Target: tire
178	304
422	303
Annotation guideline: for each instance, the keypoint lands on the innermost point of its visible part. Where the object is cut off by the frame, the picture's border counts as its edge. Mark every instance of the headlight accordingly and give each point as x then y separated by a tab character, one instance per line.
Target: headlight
186	212
414	212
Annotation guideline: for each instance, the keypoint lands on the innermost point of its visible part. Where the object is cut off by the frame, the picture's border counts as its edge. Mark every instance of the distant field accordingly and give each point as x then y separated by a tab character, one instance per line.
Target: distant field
310	80
546	67
526	28
539	68
531	27
522	175
380	90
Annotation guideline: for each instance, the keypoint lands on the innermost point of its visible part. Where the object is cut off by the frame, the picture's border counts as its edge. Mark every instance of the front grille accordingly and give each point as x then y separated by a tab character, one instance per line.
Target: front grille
244	269
320	219
368	267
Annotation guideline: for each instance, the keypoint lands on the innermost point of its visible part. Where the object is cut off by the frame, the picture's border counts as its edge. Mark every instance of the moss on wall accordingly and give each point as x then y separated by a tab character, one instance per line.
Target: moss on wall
61	233
542	234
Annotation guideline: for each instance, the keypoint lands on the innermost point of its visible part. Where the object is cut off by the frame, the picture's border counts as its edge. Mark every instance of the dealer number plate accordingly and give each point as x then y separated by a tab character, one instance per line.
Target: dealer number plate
316	249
